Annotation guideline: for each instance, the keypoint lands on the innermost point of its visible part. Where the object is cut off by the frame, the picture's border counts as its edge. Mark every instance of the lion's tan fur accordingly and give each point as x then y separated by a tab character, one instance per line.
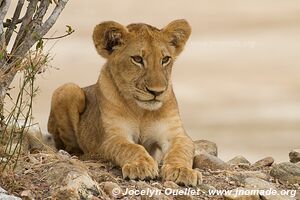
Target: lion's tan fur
130	116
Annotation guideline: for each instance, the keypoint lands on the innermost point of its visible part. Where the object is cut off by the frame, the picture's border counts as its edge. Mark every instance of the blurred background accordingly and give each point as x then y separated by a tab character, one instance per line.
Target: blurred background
237	81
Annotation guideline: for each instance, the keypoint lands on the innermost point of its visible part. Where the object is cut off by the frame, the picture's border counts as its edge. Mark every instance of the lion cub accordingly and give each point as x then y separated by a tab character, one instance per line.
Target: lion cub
130	116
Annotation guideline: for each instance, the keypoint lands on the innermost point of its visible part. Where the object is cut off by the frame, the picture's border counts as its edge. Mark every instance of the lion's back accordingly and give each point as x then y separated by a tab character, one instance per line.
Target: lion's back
89	132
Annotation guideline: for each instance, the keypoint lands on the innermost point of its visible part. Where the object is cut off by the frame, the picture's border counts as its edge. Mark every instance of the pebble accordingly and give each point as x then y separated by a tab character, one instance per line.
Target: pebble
3	160
64	153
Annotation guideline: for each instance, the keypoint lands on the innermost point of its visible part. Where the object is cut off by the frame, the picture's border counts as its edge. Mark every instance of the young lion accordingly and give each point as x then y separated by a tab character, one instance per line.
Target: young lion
130	116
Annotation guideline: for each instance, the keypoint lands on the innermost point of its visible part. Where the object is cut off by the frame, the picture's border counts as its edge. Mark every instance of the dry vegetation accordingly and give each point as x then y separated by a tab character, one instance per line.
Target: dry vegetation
43	173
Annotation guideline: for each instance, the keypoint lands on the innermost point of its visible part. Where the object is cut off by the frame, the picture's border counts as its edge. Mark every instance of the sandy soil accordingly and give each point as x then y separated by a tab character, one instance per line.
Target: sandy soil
237	82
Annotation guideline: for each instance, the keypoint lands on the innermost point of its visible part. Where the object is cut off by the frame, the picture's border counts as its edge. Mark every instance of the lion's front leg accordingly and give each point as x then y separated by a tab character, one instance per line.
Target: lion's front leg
178	162
134	160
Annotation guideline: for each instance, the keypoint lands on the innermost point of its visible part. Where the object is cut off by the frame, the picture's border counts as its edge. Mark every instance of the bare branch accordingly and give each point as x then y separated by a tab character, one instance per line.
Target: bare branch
4	5
3	10
52	18
30	32
41	11
15	20
25	27
8	23
58	37
37	32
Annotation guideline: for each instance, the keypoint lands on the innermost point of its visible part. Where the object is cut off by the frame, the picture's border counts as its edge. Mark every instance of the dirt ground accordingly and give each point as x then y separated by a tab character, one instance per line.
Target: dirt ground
237	82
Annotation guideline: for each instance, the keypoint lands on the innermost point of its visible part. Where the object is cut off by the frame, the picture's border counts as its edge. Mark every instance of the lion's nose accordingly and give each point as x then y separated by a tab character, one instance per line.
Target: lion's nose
155	91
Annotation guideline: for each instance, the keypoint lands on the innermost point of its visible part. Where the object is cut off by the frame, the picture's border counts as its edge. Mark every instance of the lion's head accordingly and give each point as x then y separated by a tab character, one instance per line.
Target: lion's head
140	58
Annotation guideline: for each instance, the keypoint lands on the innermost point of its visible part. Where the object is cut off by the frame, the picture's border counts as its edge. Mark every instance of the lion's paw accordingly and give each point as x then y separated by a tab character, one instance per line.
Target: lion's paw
142	169
181	175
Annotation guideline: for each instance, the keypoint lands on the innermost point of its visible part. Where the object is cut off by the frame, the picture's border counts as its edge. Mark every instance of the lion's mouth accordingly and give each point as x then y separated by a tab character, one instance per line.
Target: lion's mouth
152	104
148	101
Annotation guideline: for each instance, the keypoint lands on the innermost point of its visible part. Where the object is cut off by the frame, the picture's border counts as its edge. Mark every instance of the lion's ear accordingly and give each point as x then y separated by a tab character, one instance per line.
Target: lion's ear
177	33
108	36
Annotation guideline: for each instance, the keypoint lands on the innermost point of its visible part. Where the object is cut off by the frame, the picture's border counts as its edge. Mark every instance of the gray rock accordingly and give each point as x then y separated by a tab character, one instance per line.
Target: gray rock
206	161
286	172
3	160
2	190
209	147
266	189
295	155
78	185
240	194
244	166
237	160
268	161
256	183
5	196
8	197
241	176
64	153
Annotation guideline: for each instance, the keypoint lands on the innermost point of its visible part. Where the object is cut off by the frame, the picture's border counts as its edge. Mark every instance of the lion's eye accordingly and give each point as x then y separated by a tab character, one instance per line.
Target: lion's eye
166	60
137	60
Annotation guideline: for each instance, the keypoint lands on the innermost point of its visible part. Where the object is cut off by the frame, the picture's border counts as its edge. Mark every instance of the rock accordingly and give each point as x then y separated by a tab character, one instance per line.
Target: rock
256	183
295	155
3	160
241	176
206	161
78	186
202	146
71	180
2	190
64	153
266	190
112	189
268	161
244	166
241	194
8	197
5	196
238	160
286	172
